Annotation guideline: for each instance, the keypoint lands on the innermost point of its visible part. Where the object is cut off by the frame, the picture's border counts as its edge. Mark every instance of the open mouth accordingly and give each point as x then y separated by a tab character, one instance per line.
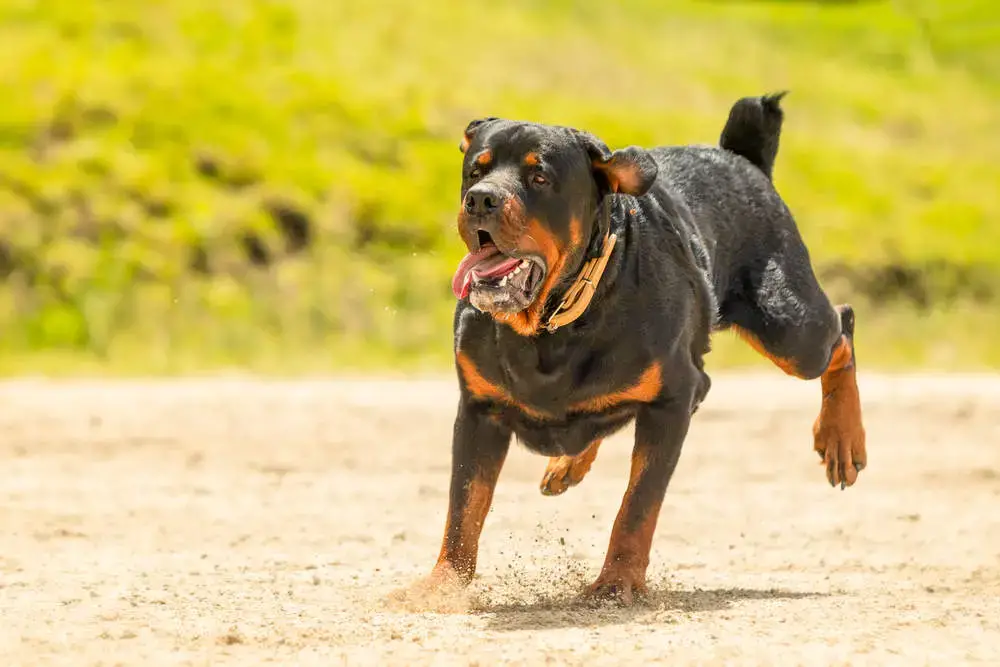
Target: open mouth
495	281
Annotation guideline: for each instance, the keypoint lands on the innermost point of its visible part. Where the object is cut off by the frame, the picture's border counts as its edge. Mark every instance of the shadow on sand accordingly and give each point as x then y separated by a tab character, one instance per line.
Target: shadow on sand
573	611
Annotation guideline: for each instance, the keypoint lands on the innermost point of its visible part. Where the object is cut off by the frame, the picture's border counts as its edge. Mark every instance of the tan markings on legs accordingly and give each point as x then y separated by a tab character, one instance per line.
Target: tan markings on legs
787	365
460	546
563	472
838	433
624	571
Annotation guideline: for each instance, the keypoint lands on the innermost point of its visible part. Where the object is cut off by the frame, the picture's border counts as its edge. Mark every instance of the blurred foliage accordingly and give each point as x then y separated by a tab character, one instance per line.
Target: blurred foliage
272	183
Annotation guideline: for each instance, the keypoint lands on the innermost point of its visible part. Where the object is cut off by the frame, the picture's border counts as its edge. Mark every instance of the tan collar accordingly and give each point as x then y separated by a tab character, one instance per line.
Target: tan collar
581	292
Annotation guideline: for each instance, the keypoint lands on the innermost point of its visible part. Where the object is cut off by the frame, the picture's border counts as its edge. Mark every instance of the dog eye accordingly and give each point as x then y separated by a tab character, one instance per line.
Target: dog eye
538	179
476	173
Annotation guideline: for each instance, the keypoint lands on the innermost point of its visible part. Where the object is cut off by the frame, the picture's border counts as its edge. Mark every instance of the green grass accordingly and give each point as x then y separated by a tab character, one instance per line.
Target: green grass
150	151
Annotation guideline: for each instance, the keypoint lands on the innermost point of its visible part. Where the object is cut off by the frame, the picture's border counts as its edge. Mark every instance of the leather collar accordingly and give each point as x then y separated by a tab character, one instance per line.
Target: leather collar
582	291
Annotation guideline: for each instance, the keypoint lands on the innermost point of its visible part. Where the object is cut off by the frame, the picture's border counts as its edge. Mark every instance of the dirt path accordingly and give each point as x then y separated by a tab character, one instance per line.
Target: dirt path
245	522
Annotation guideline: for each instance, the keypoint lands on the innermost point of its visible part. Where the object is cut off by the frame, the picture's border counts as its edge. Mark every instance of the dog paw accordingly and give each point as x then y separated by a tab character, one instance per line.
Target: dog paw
839	438
619	584
563	472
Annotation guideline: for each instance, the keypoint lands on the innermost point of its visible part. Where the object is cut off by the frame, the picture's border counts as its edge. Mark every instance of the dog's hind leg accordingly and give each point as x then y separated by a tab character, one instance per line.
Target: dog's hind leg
782	312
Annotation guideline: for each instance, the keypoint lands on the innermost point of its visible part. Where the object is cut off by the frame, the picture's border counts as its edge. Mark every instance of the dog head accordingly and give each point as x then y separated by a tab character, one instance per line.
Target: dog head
530	194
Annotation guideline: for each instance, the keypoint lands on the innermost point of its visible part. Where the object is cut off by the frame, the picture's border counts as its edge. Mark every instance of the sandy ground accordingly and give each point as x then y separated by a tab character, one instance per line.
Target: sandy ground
241	522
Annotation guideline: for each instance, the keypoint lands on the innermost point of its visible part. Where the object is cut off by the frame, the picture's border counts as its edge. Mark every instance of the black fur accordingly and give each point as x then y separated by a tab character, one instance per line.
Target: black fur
753	130
707	244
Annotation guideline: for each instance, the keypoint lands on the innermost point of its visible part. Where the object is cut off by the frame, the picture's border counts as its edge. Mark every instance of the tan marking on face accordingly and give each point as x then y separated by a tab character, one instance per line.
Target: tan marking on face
539	239
575	233
532	160
484	158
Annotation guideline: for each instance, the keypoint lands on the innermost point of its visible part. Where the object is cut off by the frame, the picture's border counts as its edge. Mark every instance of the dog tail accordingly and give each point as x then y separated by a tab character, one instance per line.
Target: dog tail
753	129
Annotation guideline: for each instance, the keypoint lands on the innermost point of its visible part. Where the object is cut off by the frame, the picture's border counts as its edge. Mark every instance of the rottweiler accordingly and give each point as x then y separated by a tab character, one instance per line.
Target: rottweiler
593	283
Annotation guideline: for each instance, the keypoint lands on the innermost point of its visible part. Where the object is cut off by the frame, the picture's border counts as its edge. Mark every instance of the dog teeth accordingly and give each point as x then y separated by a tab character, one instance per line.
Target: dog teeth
503	282
520	267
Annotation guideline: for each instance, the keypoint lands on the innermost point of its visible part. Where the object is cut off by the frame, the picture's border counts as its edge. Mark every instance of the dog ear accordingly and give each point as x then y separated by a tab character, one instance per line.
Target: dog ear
471	129
630	171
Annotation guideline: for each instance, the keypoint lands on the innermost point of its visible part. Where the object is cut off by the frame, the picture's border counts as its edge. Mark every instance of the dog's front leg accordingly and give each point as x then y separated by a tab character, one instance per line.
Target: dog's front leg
660	429
479	448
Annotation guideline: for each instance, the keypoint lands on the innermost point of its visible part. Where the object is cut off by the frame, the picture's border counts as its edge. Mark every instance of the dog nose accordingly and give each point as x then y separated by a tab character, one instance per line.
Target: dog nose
481	201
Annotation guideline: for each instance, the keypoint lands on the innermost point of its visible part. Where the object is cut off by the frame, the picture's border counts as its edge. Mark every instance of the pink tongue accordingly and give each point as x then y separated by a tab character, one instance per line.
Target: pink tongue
495	266
463	275
487	263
